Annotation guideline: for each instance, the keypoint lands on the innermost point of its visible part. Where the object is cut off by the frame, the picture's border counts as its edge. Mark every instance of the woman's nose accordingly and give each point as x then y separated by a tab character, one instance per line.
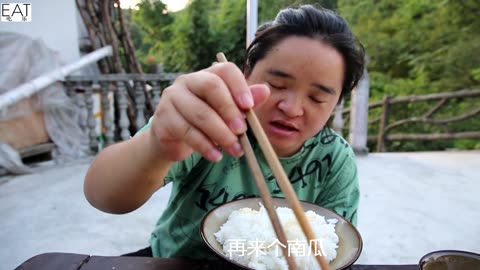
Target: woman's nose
291	105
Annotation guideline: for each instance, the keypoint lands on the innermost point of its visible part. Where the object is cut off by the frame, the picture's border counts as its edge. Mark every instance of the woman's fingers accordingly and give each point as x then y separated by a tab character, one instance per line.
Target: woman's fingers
215	91
204	110
195	139
178	138
203	117
235	82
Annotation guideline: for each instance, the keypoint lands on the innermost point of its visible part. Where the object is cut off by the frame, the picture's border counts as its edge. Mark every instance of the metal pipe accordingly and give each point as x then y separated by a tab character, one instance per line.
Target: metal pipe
29	88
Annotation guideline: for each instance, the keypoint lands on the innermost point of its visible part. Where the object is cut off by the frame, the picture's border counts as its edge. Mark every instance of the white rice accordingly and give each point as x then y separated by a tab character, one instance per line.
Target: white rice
249	239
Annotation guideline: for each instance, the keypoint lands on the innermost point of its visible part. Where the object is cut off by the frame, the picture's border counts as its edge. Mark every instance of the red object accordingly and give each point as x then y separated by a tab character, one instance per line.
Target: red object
150	59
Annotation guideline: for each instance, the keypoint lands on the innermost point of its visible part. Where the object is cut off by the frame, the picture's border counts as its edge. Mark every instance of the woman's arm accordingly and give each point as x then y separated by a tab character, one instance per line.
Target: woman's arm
124	176
199	112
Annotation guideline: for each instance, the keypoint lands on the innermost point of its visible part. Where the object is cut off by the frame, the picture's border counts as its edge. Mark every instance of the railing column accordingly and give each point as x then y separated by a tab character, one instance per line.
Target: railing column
90	117
107	117
82	118
123	122
155	93
70	90
140	104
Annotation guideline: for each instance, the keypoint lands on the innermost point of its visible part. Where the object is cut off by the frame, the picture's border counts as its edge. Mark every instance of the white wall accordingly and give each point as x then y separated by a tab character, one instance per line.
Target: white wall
54	22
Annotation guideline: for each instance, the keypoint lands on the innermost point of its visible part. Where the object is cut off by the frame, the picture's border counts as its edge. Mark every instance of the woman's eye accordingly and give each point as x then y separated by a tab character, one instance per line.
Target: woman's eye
276	86
316	100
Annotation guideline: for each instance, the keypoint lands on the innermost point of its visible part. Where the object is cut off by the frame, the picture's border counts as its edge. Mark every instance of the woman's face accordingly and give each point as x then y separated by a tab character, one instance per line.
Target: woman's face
305	77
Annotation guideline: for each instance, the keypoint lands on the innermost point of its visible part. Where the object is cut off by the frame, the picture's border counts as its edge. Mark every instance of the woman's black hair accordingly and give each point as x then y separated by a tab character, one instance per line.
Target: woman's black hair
318	23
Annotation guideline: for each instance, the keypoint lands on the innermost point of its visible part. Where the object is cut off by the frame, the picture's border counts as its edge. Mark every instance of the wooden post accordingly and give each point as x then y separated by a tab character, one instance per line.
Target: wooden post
381	140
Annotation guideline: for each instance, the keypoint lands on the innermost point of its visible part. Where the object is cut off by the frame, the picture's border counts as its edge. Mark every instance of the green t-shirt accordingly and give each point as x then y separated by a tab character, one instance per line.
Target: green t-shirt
323	172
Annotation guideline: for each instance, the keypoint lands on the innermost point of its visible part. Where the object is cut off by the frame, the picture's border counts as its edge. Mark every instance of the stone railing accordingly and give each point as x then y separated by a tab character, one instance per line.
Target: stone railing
114	106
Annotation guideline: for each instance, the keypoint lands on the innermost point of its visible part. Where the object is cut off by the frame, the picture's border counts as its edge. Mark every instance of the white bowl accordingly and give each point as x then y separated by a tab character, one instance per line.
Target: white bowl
349	245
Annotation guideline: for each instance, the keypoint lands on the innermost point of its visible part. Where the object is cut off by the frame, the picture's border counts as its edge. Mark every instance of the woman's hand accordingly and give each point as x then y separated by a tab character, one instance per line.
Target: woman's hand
202	111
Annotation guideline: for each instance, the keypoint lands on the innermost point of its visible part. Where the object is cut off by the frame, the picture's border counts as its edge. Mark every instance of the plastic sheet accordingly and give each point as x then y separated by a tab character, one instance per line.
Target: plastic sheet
25	59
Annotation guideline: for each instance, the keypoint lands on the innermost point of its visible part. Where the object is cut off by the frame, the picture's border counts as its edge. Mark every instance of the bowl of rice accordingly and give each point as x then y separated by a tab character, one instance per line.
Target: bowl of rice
240	233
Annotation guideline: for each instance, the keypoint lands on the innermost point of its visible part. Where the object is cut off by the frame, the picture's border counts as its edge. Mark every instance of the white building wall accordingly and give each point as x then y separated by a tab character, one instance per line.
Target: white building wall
54	22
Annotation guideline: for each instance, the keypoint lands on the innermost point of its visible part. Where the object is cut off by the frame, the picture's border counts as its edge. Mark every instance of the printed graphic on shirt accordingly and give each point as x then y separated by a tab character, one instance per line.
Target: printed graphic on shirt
213	188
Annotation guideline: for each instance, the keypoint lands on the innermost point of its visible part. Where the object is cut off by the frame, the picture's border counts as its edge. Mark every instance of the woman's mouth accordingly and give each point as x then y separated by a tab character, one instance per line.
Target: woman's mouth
283	128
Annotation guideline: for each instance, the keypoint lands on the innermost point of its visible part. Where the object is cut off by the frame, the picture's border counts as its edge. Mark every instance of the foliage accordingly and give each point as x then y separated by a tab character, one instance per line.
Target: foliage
192	47
410	42
414	47
420	47
149	29
267	10
189	39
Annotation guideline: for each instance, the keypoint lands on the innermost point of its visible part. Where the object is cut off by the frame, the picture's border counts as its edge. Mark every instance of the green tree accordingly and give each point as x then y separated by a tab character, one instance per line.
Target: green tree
204	28
420	47
201	53
149	29
268	9
229	28
192	44
427	44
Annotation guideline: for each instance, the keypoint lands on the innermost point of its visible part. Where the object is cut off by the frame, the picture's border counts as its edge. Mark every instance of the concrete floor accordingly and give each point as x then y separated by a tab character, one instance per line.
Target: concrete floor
412	203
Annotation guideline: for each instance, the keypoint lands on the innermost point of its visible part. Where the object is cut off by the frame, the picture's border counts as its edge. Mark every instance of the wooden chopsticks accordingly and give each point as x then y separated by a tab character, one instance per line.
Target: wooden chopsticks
263	189
282	181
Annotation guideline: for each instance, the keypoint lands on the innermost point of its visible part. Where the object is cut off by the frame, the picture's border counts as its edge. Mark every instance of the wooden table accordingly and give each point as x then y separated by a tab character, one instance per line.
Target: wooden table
68	261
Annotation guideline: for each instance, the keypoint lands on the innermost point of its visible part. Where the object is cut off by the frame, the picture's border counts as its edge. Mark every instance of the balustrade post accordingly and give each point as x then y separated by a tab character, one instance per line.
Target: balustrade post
70	90
90	117
82	117
139	104
155	94
107	114
123	122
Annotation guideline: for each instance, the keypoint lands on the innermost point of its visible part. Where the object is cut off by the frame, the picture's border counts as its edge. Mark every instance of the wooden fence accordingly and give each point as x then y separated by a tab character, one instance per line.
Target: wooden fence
387	126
